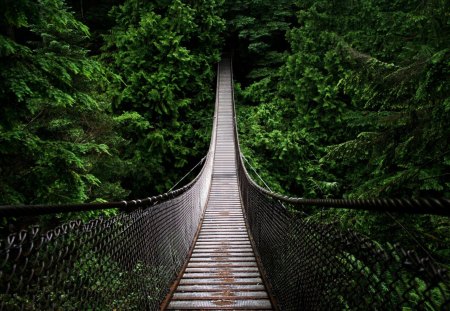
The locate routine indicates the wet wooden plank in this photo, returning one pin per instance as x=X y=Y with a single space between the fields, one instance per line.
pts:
x=218 y=264
x=222 y=259
x=216 y=281
x=215 y=288
x=230 y=294
x=221 y=274
x=223 y=254
x=220 y=249
x=250 y=304
x=214 y=270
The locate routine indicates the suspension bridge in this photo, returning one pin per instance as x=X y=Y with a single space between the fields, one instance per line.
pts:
x=221 y=242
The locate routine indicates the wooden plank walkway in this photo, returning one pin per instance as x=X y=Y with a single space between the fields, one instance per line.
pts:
x=222 y=273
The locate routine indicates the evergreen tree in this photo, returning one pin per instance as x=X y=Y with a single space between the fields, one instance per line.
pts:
x=360 y=108
x=54 y=128
x=256 y=33
x=165 y=53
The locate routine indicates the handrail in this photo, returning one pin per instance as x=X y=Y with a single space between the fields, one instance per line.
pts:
x=434 y=206
x=43 y=209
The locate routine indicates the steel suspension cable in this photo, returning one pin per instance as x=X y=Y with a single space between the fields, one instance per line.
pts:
x=187 y=174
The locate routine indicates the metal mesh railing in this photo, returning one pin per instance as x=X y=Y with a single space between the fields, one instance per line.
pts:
x=124 y=262
x=312 y=265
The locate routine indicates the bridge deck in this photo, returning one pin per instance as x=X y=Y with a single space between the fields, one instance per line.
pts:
x=222 y=272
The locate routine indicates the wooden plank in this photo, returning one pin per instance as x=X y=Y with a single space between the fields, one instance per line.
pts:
x=224 y=255
x=218 y=264
x=215 y=270
x=215 y=288
x=223 y=259
x=222 y=250
x=250 y=304
x=235 y=244
x=230 y=294
x=222 y=273
x=216 y=281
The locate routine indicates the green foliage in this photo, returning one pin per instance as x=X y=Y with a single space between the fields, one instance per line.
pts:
x=256 y=31
x=397 y=95
x=54 y=128
x=359 y=108
x=165 y=54
x=364 y=91
x=75 y=127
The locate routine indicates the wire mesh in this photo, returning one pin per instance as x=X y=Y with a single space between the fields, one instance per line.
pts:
x=312 y=265
x=124 y=262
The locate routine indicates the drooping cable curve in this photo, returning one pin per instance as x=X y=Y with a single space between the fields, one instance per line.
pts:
x=129 y=261
x=44 y=209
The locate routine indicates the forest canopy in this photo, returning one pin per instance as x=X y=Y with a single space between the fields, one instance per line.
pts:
x=103 y=100
x=358 y=103
x=109 y=100
x=349 y=99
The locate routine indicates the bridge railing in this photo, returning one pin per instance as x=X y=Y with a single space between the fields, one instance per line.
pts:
x=311 y=262
x=123 y=262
